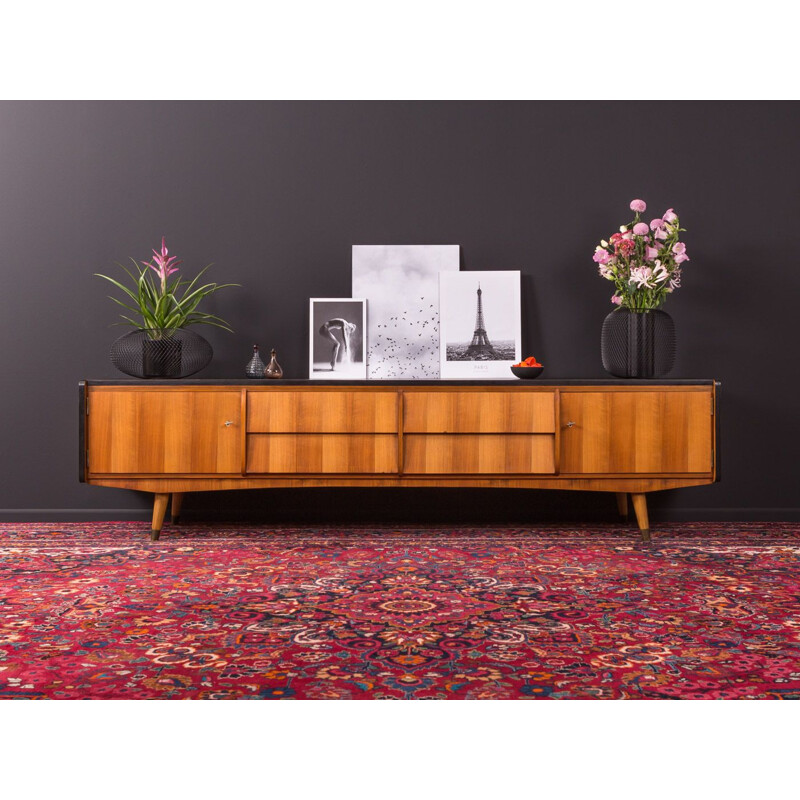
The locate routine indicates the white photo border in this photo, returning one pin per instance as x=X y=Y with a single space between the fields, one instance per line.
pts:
x=312 y=333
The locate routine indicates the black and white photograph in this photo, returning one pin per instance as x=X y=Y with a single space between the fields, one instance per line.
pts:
x=336 y=338
x=480 y=323
x=401 y=283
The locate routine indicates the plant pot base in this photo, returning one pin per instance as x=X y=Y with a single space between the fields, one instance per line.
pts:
x=161 y=354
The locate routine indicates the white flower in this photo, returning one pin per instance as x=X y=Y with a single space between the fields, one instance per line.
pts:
x=660 y=273
x=643 y=277
x=606 y=272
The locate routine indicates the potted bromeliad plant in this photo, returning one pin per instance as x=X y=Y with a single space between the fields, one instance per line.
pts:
x=644 y=262
x=163 y=307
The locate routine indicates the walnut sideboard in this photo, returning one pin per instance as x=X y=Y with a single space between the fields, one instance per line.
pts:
x=171 y=437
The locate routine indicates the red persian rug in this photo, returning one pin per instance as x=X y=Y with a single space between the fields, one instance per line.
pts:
x=99 y=611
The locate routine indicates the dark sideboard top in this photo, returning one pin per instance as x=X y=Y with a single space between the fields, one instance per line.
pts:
x=306 y=382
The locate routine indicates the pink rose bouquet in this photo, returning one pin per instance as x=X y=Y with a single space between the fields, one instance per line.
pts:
x=643 y=260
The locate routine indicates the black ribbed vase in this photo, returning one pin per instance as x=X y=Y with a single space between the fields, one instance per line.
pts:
x=161 y=354
x=638 y=344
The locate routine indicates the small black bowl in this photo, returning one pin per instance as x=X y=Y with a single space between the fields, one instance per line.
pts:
x=527 y=372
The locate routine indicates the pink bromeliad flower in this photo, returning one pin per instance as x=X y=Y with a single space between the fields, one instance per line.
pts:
x=164 y=266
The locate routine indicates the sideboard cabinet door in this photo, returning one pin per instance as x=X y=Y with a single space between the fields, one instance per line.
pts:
x=636 y=432
x=138 y=431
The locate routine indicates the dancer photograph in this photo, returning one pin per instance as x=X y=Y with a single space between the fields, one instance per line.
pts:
x=336 y=339
x=334 y=329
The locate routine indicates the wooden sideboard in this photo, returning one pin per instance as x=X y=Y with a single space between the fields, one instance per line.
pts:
x=172 y=437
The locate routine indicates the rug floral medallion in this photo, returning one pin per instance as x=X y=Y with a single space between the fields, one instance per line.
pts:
x=98 y=611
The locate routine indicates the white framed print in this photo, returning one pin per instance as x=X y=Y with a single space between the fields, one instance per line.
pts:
x=481 y=324
x=337 y=338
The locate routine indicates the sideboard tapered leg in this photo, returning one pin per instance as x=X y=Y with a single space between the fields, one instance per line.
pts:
x=177 y=502
x=159 y=509
x=640 y=507
x=622 y=504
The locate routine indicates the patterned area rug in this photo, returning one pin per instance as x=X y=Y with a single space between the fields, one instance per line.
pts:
x=98 y=611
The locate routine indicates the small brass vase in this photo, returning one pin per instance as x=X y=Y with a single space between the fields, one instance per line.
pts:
x=273 y=369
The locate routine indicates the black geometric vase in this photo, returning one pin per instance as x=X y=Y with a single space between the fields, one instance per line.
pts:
x=161 y=354
x=638 y=344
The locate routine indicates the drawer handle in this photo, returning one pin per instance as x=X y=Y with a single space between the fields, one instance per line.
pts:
x=228 y=423
x=570 y=424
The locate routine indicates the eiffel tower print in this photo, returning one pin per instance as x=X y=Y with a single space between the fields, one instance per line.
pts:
x=493 y=304
x=480 y=344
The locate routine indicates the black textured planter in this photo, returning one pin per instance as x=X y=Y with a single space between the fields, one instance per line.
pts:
x=161 y=354
x=161 y=358
x=638 y=344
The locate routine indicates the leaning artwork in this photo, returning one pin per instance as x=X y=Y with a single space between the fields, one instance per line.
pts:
x=481 y=324
x=336 y=341
x=401 y=284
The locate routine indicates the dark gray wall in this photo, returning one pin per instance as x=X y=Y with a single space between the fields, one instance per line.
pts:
x=276 y=193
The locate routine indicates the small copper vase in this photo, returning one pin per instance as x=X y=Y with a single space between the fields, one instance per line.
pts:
x=273 y=369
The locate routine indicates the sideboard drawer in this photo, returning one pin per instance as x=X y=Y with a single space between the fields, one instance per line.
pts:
x=481 y=454
x=321 y=411
x=322 y=453
x=525 y=411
